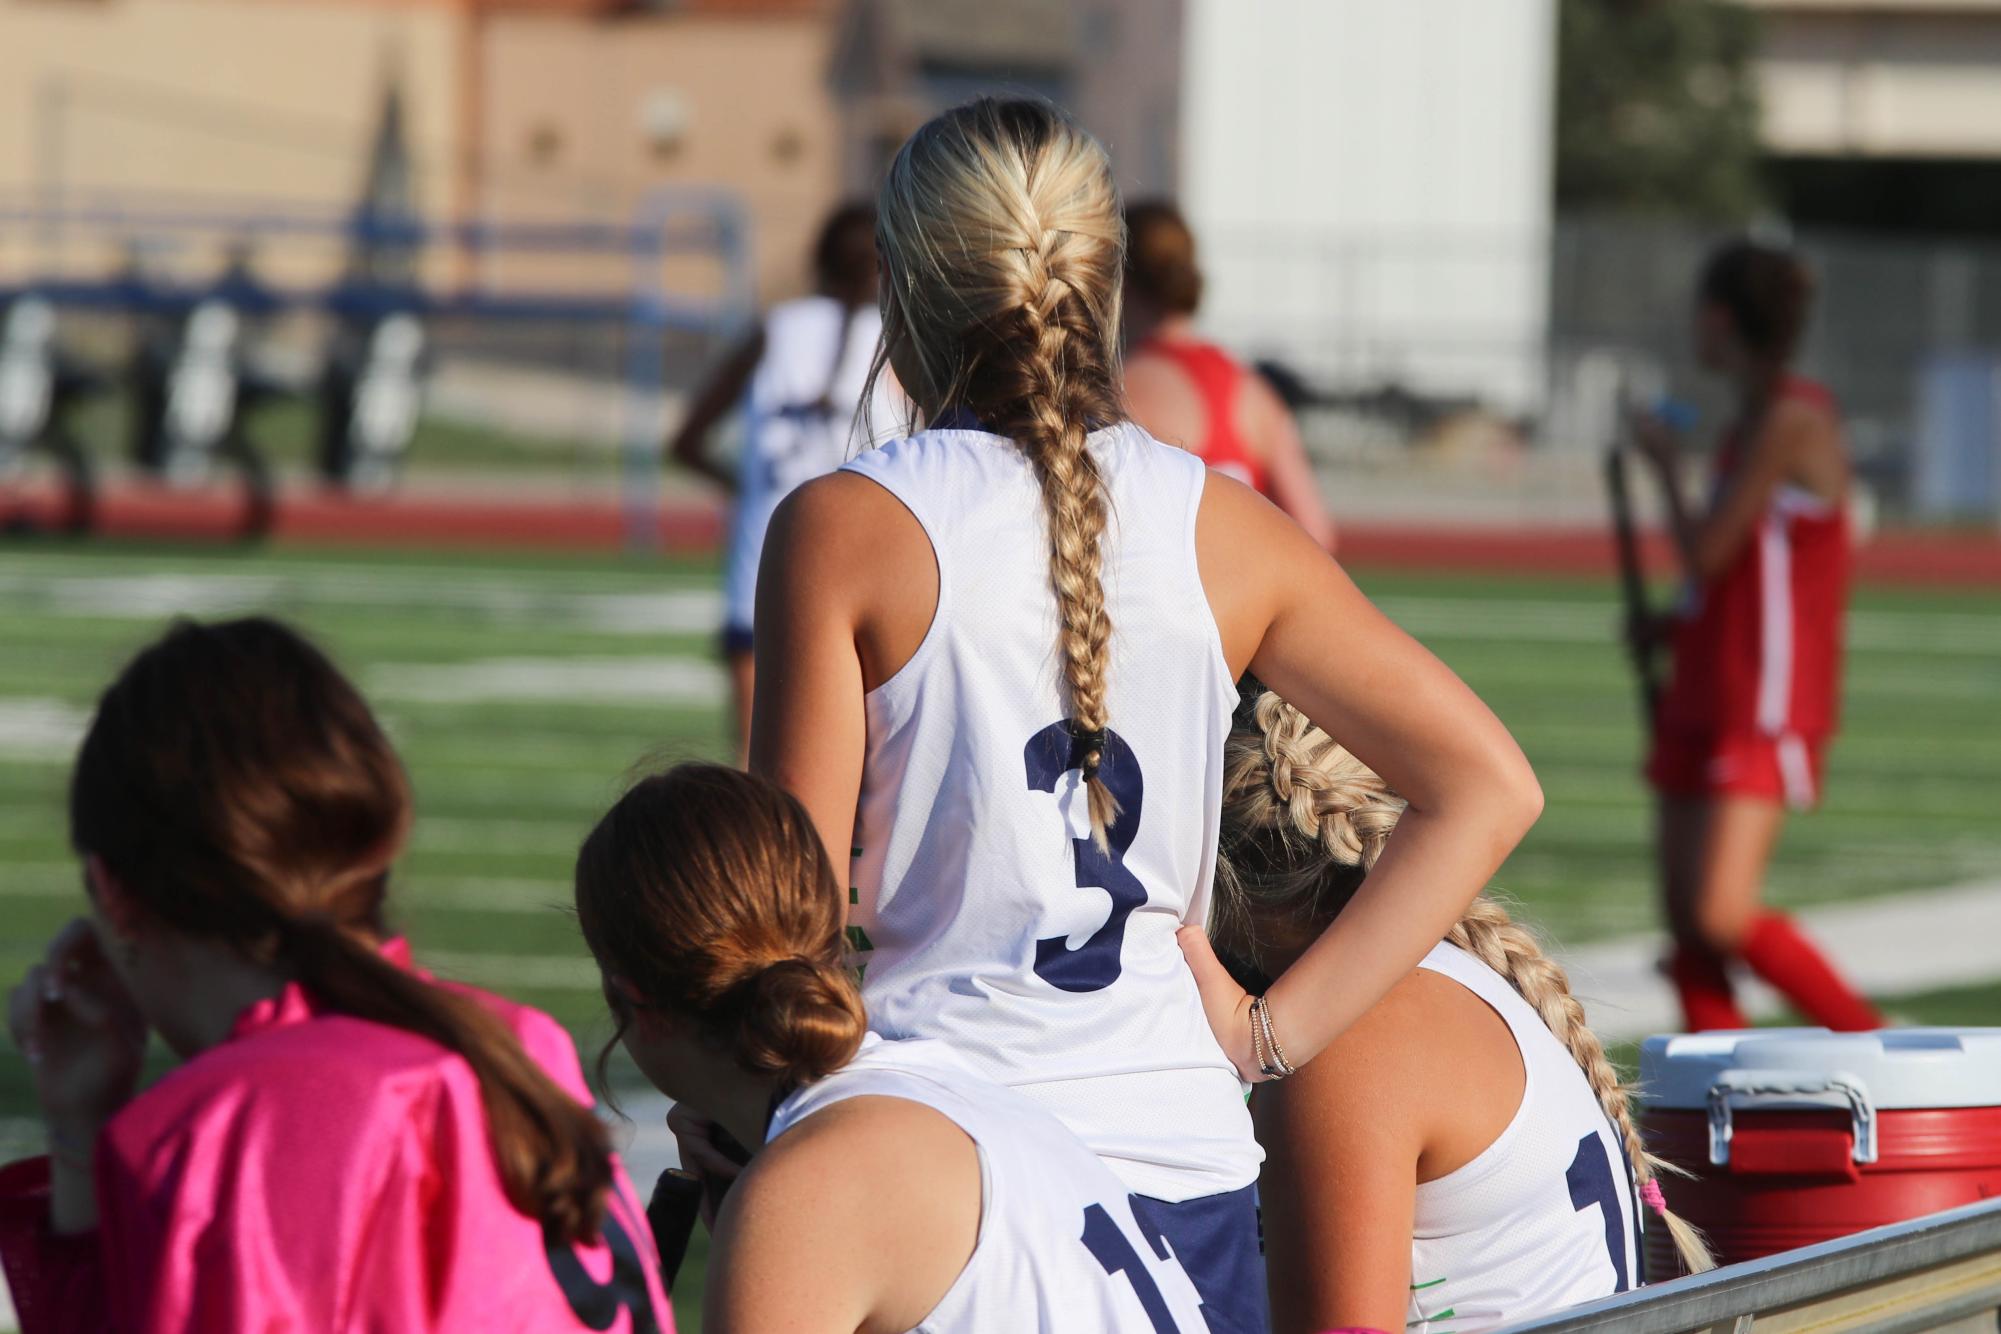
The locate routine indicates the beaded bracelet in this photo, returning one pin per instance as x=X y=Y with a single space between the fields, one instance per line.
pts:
x=1264 y=1042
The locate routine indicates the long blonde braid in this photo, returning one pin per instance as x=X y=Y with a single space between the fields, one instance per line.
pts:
x=1488 y=934
x=1304 y=820
x=1003 y=246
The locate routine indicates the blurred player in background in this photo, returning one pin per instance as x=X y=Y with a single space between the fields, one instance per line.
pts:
x=346 y=1143
x=1463 y=1156
x=893 y=1188
x=1741 y=733
x=997 y=661
x=799 y=378
x=1192 y=393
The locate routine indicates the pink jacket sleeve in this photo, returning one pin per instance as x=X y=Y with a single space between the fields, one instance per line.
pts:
x=57 y=1282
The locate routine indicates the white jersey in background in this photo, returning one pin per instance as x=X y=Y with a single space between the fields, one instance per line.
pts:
x=1546 y=1216
x=1059 y=1250
x=799 y=422
x=982 y=912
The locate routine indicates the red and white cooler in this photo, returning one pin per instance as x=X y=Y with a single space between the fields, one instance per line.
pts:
x=1799 y=1135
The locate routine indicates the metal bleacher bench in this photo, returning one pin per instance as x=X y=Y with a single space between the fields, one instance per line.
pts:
x=1940 y=1272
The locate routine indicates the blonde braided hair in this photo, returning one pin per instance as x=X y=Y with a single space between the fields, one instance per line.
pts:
x=1003 y=246
x=1304 y=820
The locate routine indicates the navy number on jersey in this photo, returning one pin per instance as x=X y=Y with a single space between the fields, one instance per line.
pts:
x=1591 y=1182
x=1109 y=1246
x=1094 y=965
x=597 y=1304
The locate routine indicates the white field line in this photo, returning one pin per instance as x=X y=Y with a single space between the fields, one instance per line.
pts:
x=570 y=601
x=1552 y=621
x=509 y=895
x=40 y=729
x=1920 y=941
x=147 y=597
x=570 y=680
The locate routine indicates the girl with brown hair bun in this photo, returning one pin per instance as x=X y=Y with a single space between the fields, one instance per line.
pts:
x=347 y=1143
x=1190 y=392
x=892 y=1187
x=1742 y=731
x=1463 y=1156
x=996 y=663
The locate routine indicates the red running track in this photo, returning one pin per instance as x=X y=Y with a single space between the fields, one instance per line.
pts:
x=519 y=518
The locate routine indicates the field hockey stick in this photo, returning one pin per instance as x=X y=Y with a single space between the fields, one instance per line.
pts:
x=672 y=1213
x=1632 y=580
x=678 y=1198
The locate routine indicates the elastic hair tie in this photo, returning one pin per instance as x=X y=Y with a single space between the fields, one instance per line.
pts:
x=1086 y=748
x=1650 y=1195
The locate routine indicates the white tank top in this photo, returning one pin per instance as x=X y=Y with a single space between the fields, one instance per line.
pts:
x=1059 y=1250
x=799 y=422
x=1546 y=1216
x=982 y=911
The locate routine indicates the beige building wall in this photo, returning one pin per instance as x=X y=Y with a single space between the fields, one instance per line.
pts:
x=601 y=111
x=1843 y=77
x=256 y=99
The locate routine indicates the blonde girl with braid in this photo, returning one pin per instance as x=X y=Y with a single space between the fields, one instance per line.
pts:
x=996 y=661
x=1463 y=1156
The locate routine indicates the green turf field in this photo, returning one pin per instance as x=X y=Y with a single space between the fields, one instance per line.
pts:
x=522 y=689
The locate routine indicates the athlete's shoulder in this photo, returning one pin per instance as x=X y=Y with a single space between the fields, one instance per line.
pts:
x=884 y=1192
x=830 y=511
x=1807 y=392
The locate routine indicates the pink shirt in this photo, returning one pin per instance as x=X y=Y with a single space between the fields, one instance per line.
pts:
x=318 y=1172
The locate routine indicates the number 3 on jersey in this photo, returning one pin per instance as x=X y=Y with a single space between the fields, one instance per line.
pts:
x=1094 y=965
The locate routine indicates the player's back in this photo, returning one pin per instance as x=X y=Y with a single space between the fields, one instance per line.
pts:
x=1546 y=1215
x=1059 y=1249
x=984 y=912
x=1759 y=649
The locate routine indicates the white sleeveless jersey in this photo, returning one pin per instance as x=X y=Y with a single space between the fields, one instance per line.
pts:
x=1059 y=1249
x=982 y=911
x=799 y=422
x=1546 y=1216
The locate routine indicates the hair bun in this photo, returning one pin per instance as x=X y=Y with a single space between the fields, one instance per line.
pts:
x=798 y=1019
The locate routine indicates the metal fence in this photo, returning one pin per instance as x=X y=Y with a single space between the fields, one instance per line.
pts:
x=1942 y=1272
x=1595 y=307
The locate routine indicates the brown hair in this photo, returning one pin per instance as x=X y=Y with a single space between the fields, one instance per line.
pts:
x=1304 y=820
x=1002 y=243
x=1160 y=257
x=707 y=890
x=844 y=258
x=1767 y=292
x=239 y=788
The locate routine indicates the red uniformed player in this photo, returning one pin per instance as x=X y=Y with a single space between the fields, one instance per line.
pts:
x=1740 y=733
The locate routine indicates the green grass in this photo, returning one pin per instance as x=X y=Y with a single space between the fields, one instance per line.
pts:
x=506 y=786
x=286 y=431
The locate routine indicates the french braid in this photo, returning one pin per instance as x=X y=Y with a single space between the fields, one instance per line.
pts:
x=1304 y=820
x=1003 y=244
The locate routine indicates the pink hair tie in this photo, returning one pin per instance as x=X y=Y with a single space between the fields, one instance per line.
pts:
x=1650 y=1195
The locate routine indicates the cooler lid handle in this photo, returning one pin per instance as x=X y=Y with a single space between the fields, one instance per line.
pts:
x=1739 y=1088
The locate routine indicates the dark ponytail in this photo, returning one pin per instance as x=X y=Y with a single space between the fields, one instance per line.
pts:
x=709 y=892
x=240 y=789
x=1160 y=257
x=1767 y=293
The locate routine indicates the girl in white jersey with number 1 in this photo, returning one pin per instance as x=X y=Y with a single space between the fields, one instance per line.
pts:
x=1462 y=1157
x=798 y=379
x=996 y=661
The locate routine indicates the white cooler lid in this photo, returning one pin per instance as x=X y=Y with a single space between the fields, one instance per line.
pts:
x=1901 y=1068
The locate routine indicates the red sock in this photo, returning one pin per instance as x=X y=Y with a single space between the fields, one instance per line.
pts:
x=1781 y=954
x=1707 y=1001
